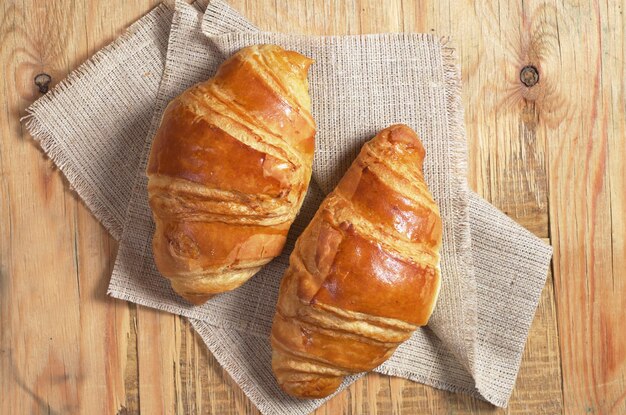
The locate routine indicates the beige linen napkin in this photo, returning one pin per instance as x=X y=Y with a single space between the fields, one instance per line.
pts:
x=360 y=84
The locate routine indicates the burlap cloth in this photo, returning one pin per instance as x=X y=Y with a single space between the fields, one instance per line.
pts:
x=98 y=124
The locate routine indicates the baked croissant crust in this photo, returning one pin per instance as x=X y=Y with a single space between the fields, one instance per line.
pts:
x=228 y=171
x=364 y=274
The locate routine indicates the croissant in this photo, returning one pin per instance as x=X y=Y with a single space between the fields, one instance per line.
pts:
x=228 y=171
x=364 y=274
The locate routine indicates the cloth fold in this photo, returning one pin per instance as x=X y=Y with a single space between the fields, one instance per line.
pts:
x=493 y=270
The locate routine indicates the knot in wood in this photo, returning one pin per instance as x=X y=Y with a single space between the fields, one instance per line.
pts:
x=42 y=81
x=529 y=75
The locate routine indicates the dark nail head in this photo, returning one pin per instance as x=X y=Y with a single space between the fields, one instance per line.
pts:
x=42 y=81
x=529 y=75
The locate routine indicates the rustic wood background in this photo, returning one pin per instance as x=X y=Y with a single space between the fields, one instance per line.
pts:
x=552 y=156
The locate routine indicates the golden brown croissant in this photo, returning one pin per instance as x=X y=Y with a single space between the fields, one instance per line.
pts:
x=228 y=171
x=364 y=274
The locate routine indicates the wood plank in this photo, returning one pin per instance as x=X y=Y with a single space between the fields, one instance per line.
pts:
x=64 y=343
x=587 y=191
x=44 y=365
x=159 y=373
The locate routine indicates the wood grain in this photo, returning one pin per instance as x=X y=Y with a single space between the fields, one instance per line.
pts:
x=587 y=191
x=551 y=156
x=64 y=343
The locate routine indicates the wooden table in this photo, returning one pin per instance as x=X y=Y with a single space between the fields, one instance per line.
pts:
x=552 y=156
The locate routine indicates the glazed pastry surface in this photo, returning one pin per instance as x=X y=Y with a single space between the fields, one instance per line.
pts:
x=228 y=171
x=365 y=272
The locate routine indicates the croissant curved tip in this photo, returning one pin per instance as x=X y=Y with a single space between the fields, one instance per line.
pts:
x=196 y=299
x=401 y=133
x=299 y=60
x=404 y=135
x=317 y=388
x=294 y=58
